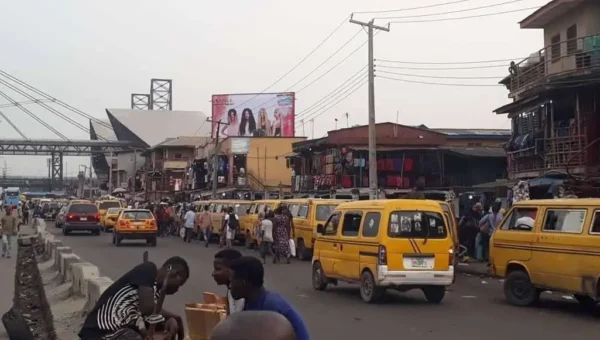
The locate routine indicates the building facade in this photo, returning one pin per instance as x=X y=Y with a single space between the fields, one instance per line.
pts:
x=555 y=93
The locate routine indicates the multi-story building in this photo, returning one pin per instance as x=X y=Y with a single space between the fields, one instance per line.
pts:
x=556 y=94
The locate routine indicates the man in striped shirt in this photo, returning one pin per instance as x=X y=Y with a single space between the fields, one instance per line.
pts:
x=130 y=303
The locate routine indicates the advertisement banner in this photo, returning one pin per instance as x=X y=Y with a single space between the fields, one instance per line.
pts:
x=254 y=115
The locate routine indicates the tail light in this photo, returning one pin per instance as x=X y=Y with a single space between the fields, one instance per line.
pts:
x=451 y=257
x=70 y=218
x=152 y=223
x=382 y=256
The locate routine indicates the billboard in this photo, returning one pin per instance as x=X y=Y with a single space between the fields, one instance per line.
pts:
x=254 y=114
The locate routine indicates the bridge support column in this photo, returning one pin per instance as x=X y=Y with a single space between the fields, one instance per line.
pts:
x=56 y=164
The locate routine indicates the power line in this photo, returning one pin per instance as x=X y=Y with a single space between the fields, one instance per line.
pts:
x=298 y=64
x=347 y=83
x=318 y=67
x=442 y=68
x=453 y=12
x=413 y=8
x=440 y=84
x=466 y=17
x=343 y=98
x=448 y=62
x=201 y=125
x=342 y=94
x=440 y=77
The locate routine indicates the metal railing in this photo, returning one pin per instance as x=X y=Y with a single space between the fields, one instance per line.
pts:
x=563 y=58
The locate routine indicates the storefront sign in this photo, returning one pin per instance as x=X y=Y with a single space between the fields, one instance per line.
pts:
x=240 y=146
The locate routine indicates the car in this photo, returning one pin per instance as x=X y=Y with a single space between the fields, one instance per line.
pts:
x=82 y=217
x=60 y=218
x=110 y=218
x=135 y=224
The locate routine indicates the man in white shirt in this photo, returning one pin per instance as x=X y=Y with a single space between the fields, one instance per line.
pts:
x=189 y=218
x=222 y=275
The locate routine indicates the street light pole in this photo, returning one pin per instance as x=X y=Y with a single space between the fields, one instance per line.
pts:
x=215 y=178
x=372 y=132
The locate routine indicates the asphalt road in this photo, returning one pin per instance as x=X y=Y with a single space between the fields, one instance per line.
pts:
x=473 y=308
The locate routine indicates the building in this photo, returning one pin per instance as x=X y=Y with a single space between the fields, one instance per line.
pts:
x=145 y=128
x=442 y=158
x=253 y=164
x=168 y=164
x=555 y=93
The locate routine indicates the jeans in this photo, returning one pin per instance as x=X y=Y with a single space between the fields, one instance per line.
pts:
x=482 y=246
x=207 y=234
x=7 y=246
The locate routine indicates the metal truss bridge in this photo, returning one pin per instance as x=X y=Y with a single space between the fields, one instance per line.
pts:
x=58 y=148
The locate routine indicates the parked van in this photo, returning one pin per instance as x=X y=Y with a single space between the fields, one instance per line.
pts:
x=549 y=245
x=218 y=209
x=248 y=224
x=386 y=244
x=307 y=213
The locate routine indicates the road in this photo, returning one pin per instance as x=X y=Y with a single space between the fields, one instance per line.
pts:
x=473 y=308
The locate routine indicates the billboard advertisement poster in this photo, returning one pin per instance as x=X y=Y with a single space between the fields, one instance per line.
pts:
x=254 y=115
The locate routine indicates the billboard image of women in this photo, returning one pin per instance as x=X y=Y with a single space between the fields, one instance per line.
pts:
x=254 y=115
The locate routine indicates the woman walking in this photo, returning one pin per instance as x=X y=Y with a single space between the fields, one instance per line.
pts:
x=282 y=226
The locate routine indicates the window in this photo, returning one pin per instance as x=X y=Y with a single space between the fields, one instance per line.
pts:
x=324 y=211
x=294 y=209
x=572 y=39
x=253 y=209
x=106 y=205
x=137 y=215
x=260 y=208
x=565 y=220
x=241 y=209
x=83 y=209
x=417 y=224
x=595 y=228
x=211 y=208
x=371 y=225
x=351 y=224
x=332 y=223
x=219 y=208
x=474 y=144
x=178 y=156
x=303 y=211
x=555 y=48
x=520 y=219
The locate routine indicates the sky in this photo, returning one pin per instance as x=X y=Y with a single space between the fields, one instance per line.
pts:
x=94 y=54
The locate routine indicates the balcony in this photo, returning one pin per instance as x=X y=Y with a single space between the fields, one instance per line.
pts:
x=569 y=58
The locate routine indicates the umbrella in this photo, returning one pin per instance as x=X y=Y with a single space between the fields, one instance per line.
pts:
x=119 y=191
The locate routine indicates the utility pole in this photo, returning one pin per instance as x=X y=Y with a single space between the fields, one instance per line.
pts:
x=347 y=120
x=302 y=122
x=372 y=132
x=336 y=123
x=215 y=179
x=312 y=125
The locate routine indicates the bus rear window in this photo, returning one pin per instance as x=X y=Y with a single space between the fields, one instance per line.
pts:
x=417 y=224
x=137 y=215
x=106 y=205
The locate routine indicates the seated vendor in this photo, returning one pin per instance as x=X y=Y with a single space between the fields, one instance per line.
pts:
x=131 y=300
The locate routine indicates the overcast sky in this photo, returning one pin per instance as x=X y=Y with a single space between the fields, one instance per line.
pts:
x=94 y=54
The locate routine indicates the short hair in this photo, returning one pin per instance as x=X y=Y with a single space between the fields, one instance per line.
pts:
x=179 y=263
x=249 y=269
x=228 y=255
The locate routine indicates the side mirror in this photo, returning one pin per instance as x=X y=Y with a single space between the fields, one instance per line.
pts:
x=320 y=229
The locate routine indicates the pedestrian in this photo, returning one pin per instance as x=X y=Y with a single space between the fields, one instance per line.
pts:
x=189 y=219
x=487 y=225
x=266 y=234
x=205 y=225
x=232 y=226
x=161 y=220
x=10 y=225
x=281 y=236
x=26 y=214
x=247 y=283
x=254 y=325
x=133 y=297
x=222 y=276
x=468 y=227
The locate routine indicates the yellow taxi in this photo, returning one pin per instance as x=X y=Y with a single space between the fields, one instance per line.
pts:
x=307 y=213
x=104 y=205
x=110 y=218
x=549 y=245
x=135 y=224
x=413 y=250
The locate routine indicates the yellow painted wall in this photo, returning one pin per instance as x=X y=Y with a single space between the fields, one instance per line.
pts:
x=266 y=159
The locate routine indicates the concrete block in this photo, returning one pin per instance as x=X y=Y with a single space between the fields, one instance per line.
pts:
x=96 y=287
x=81 y=273
x=52 y=247
x=65 y=265
x=57 y=255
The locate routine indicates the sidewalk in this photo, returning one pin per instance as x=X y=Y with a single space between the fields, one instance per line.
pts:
x=474 y=268
x=7 y=285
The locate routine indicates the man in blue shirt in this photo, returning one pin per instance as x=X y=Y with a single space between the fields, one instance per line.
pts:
x=247 y=283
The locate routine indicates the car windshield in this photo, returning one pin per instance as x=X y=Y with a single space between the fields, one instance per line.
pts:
x=113 y=211
x=137 y=215
x=107 y=205
x=12 y=194
x=323 y=211
x=83 y=209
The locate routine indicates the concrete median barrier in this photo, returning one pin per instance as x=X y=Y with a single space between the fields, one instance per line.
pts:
x=66 y=262
x=60 y=251
x=81 y=273
x=53 y=244
x=96 y=286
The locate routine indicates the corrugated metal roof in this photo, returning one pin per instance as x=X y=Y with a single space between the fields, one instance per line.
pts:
x=481 y=132
x=103 y=131
x=153 y=127
x=183 y=141
x=479 y=151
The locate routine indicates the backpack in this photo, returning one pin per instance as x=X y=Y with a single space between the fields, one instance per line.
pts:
x=234 y=224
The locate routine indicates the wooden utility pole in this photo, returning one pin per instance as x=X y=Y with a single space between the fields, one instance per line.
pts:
x=215 y=178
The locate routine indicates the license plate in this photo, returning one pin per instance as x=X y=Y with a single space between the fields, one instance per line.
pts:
x=83 y=219
x=419 y=262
